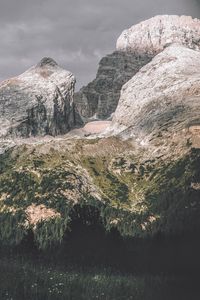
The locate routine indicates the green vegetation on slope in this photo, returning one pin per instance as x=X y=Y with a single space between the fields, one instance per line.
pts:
x=137 y=197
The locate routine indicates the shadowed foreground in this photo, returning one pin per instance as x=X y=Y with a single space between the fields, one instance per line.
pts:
x=93 y=264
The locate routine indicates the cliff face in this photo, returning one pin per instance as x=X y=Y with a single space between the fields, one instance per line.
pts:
x=100 y=97
x=153 y=35
x=135 y=48
x=38 y=102
x=144 y=181
x=163 y=98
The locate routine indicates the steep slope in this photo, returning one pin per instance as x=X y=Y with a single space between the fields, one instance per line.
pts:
x=135 y=48
x=143 y=182
x=110 y=182
x=100 y=97
x=38 y=102
x=163 y=98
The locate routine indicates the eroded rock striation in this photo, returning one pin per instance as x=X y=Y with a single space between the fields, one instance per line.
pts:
x=38 y=102
x=135 y=48
x=163 y=97
x=153 y=35
x=100 y=97
x=142 y=182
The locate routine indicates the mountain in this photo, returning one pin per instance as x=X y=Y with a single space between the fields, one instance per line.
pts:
x=163 y=98
x=153 y=35
x=100 y=97
x=135 y=48
x=140 y=178
x=38 y=102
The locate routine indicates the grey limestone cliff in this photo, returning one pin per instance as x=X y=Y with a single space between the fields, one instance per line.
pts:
x=38 y=102
x=136 y=46
x=153 y=35
x=163 y=99
x=100 y=97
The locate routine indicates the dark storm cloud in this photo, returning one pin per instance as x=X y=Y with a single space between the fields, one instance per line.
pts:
x=76 y=33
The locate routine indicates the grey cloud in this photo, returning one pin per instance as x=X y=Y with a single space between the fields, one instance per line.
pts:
x=76 y=33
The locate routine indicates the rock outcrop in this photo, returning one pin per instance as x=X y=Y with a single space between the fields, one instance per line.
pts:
x=100 y=97
x=163 y=97
x=135 y=48
x=38 y=102
x=153 y=35
x=142 y=182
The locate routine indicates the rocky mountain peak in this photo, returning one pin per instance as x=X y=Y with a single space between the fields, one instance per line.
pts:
x=100 y=97
x=142 y=182
x=47 y=61
x=135 y=48
x=38 y=102
x=153 y=35
x=162 y=98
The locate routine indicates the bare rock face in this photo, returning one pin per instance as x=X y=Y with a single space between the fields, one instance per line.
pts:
x=100 y=97
x=163 y=98
x=135 y=48
x=38 y=102
x=153 y=35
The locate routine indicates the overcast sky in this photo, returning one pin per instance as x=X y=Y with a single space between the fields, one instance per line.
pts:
x=76 y=33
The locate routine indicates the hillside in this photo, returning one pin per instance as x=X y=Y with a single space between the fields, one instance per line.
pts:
x=42 y=186
x=140 y=176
